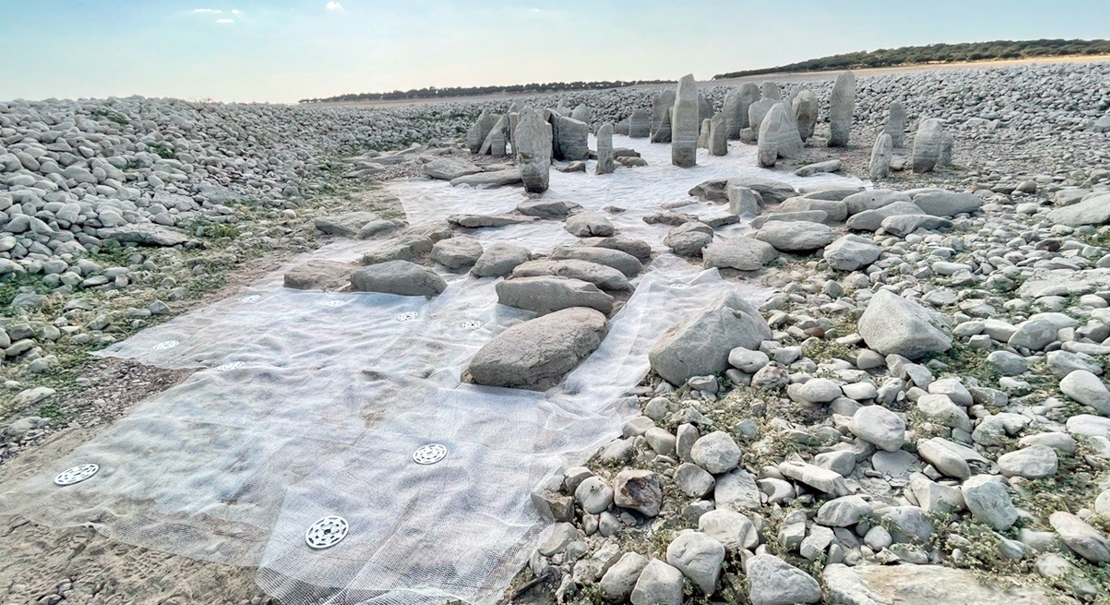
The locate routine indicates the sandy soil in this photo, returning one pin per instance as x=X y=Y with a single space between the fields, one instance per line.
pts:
x=808 y=76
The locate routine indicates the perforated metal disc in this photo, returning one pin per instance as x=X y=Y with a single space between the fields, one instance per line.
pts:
x=680 y=286
x=76 y=474
x=250 y=299
x=326 y=532
x=429 y=454
x=471 y=324
x=335 y=303
x=164 y=346
x=411 y=315
x=227 y=367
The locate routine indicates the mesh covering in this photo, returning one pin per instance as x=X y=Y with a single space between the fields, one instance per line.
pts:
x=307 y=404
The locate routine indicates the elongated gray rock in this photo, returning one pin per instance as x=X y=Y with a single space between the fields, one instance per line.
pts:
x=533 y=140
x=538 y=353
x=605 y=162
x=796 y=236
x=740 y=253
x=805 y=110
x=544 y=295
x=479 y=131
x=661 y=107
x=606 y=278
x=699 y=344
x=571 y=139
x=757 y=111
x=718 y=135
x=896 y=125
x=881 y=155
x=842 y=106
x=773 y=581
x=928 y=144
x=1093 y=210
x=499 y=260
x=639 y=124
x=497 y=139
x=398 y=277
x=450 y=168
x=736 y=114
x=698 y=557
x=685 y=124
x=589 y=224
x=778 y=137
x=893 y=325
x=326 y=275
x=851 y=253
x=622 y=261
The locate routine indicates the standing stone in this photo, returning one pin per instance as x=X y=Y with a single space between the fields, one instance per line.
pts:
x=881 y=154
x=582 y=113
x=842 y=104
x=479 y=131
x=777 y=136
x=533 y=137
x=928 y=143
x=757 y=111
x=735 y=121
x=496 y=139
x=703 y=134
x=639 y=124
x=705 y=109
x=896 y=125
x=805 y=113
x=718 y=135
x=571 y=139
x=771 y=91
x=661 y=107
x=605 y=162
x=684 y=124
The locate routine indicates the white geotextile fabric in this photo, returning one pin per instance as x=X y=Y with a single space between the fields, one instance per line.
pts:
x=308 y=404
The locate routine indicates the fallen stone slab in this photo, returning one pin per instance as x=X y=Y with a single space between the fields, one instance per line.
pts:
x=819 y=168
x=325 y=275
x=495 y=178
x=145 y=234
x=543 y=295
x=346 y=225
x=398 y=277
x=447 y=169
x=479 y=221
x=606 y=278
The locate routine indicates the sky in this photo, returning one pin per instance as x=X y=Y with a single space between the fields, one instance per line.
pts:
x=285 y=50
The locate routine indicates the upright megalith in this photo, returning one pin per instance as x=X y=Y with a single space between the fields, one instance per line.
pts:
x=929 y=144
x=478 y=132
x=805 y=113
x=533 y=140
x=685 y=124
x=842 y=105
x=778 y=136
x=896 y=125
x=881 y=154
x=661 y=107
x=639 y=124
x=736 y=105
x=705 y=109
x=605 y=162
x=771 y=91
x=757 y=111
x=497 y=138
x=571 y=140
x=703 y=134
x=718 y=135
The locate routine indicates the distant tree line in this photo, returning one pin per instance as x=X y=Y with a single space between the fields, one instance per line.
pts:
x=938 y=53
x=466 y=91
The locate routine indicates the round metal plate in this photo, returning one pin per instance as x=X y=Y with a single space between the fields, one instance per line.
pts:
x=335 y=303
x=227 y=367
x=471 y=324
x=680 y=286
x=326 y=532
x=429 y=454
x=76 y=474
x=250 y=299
x=411 y=315
x=164 y=346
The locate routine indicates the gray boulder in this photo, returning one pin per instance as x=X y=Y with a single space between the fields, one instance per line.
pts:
x=624 y=262
x=605 y=162
x=479 y=131
x=1081 y=537
x=778 y=136
x=499 y=260
x=450 y=168
x=325 y=275
x=872 y=220
x=740 y=253
x=606 y=278
x=658 y=584
x=346 y=225
x=893 y=325
x=589 y=224
x=1093 y=210
x=851 y=253
x=879 y=426
x=538 y=353
x=570 y=139
x=638 y=490
x=639 y=124
x=688 y=239
x=1088 y=389
x=544 y=295
x=699 y=558
x=842 y=106
x=144 y=234
x=835 y=210
x=871 y=199
x=896 y=125
x=796 y=236
x=742 y=201
x=757 y=112
x=989 y=502
x=946 y=203
x=905 y=224
x=805 y=111
x=456 y=252
x=773 y=581
x=620 y=579
x=685 y=124
x=533 y=150
x=928 y=145
x=881 y=154
x=493 y=178
x=699 y=345
x=398 y=277
x=716 y=190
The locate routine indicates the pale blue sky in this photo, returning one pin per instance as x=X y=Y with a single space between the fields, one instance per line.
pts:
x=285 y=50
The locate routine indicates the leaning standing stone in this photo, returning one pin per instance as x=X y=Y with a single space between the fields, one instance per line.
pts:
x=479 y=131
x=571 y=139
x=605 y=162
x=842 y=105
x=928 y=145
x=896 y=125
x=718 y=135
x=805 y=113
x=533 y=137
x=684 y=124
x=661 y=107
x=881 y=154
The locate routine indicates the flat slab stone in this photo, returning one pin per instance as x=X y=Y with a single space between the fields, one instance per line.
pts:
x=147 y=234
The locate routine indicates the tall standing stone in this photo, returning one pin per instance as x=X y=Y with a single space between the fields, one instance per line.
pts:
x=703 y=134
x=496 y=139
x=842 y=105
x=533 y=137
x=718 y=135
x=571 y=139
x=928 y=144
x=881 y=155
x=705 y=110
x=685 y=124
x=771 y=91
x=896 y=125
x=661 y=107
x=639 y=124
x=778 y=136
x=734 y=120
x=805 y=113
x=757 y=111
x=749 y=93
x=478 y=132
x=605 y=162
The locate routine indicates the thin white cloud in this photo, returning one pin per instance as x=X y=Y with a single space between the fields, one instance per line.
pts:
x=225 y=21
x=334 y=6
x=207 y=11
x=236 y=11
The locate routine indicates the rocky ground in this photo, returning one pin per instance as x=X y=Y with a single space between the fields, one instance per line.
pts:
x=924 y=410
